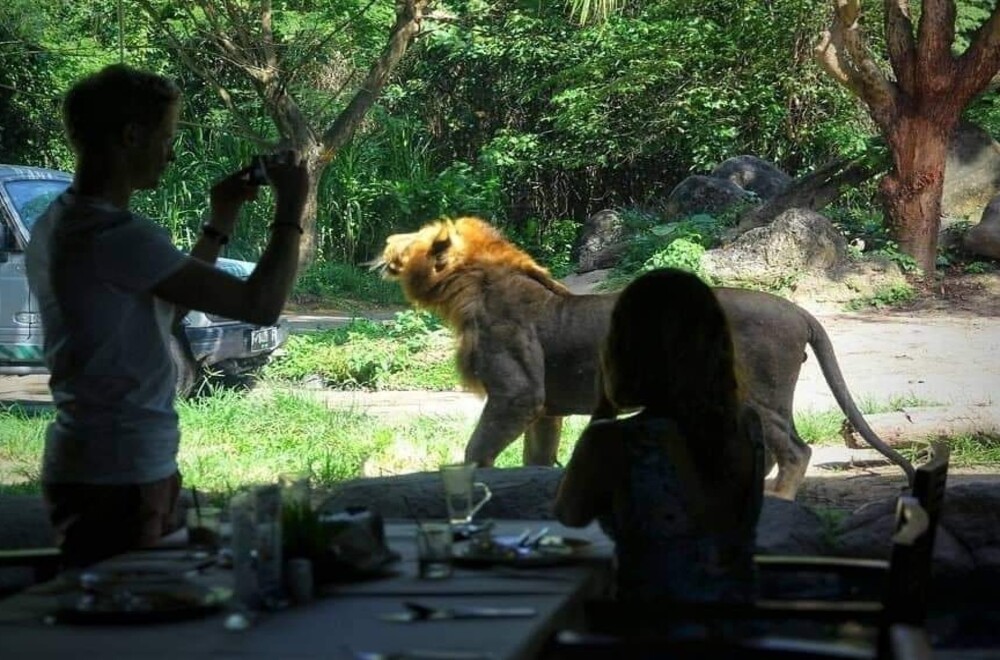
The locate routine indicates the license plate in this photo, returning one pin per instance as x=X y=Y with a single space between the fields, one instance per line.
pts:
x=263 y=339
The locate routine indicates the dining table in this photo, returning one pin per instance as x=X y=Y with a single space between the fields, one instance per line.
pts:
x=359 y=620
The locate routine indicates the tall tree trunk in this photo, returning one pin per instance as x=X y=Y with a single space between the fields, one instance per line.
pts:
x=309 y=247
x=912 y=191
x=915 y=109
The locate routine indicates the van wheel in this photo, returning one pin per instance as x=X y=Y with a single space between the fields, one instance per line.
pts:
x=187 y=368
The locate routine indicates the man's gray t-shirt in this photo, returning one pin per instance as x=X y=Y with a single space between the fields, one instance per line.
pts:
x=92 y=267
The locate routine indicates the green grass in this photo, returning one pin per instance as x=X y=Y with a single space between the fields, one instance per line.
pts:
x=871 y=404
x=967 y=450
x=411 y=352
x=819 y=426
x=231 y=439
x=823 y=426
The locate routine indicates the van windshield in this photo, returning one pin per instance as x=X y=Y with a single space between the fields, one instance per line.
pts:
x=32 y=196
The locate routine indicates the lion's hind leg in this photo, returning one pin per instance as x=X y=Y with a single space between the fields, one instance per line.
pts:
x=541 y=441
x=502 y=421
x=790 y=452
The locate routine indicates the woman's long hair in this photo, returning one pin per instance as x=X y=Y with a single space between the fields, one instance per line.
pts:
x=669 y=351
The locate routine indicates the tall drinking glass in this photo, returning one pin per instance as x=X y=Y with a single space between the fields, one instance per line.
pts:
x=459 y=491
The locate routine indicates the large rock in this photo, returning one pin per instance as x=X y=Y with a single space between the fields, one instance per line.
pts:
x=702 y=194
x=25 y=525
x=524 y=492
x=754 y=175
x=967 y=545
x=601 y=242
x=528 y=492
x=789 y=528
x=984 y=238
x=972 y=172
x=798 y=241
x=972 y=516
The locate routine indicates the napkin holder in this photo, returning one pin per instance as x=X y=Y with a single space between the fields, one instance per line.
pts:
x=355 y=546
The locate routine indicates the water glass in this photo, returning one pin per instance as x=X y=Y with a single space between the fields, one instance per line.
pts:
x=434 y=550
x=204 y=525
x=459 y=489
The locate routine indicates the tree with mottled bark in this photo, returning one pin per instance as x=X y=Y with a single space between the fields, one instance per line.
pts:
x=917 y=106
x=237 y=42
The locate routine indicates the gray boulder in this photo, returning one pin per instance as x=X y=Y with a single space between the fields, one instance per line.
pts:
x=984 y=238
x=967 y=545
x=601 y=242
x=754 y=174
x=523 y=492
x=789 y=528
x=972 y=517
x=703 y=194
x=799 y=240
x=972 y=172
x=528 y=492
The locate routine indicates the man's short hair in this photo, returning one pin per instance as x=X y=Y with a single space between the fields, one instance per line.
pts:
x=97 y=108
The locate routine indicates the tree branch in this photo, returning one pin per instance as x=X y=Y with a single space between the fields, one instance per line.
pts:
x=319 y=45
x=829 y=58
x=935 y=34
x=843 y=53
x=238 y=22
x=178 y=47
x=409 y=14
x=267 y=30
x=216 y=34
x=979 y=63
x=902 y=48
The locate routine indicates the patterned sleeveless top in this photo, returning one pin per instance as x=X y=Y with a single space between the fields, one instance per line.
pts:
x=659 y=550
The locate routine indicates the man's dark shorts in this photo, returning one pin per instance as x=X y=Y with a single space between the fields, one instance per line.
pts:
x=94 y=522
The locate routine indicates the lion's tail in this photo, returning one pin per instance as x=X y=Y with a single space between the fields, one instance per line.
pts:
x=823 y=349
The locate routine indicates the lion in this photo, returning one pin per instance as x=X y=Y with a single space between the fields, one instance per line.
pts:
x=530 y=346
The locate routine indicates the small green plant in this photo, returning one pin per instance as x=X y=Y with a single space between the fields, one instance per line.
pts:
x=675 y=245
x=302 y=533
x=830 y=521
x=978 y=268
x=886 y=296
x=891 y=251
x=682 y=253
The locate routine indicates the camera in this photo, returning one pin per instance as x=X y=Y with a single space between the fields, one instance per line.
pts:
x=257 y=174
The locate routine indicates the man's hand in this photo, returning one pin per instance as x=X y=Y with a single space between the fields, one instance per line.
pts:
x=288 y=176
x=227 y=198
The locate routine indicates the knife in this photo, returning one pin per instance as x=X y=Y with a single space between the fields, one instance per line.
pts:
x=417 y=612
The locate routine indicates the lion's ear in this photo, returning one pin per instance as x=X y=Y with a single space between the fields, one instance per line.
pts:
x=442 y=243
